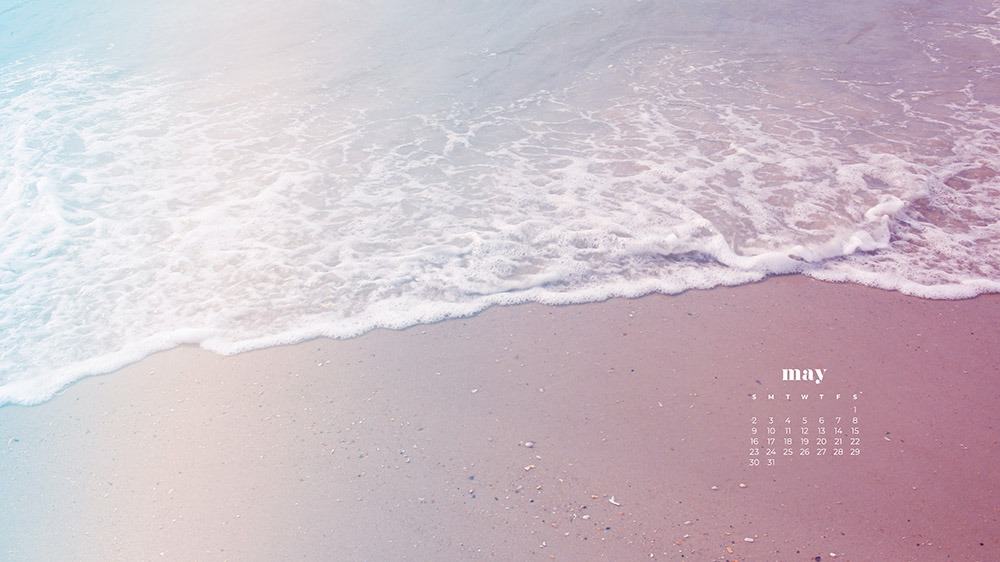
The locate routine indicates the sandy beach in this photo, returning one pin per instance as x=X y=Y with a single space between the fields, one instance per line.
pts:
x=605 y=431
x=449 y=281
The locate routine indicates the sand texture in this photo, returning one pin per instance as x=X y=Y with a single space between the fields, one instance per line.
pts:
x=586 y=432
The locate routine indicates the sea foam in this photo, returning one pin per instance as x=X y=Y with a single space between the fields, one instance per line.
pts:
x=242 y=193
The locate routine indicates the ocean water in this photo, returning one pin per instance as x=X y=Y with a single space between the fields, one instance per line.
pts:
x=255 y=173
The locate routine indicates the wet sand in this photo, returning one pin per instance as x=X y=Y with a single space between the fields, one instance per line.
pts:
x=605 y=431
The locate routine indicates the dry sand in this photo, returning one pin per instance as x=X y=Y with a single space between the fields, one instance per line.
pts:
x=505 y=437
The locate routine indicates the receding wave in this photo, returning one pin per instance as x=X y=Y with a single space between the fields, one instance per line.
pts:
x=143 y=207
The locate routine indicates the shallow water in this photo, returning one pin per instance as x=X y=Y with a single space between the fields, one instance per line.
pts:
x=255 y=173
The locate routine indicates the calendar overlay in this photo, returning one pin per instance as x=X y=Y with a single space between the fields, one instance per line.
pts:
x=800 y=420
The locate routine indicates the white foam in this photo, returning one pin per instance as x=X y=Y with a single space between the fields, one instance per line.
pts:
x=260 y=205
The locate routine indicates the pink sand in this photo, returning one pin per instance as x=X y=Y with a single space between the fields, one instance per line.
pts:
x=413 y=444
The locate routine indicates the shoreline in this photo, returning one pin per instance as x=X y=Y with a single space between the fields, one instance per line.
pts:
x=411 y=444
x=198 y=338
